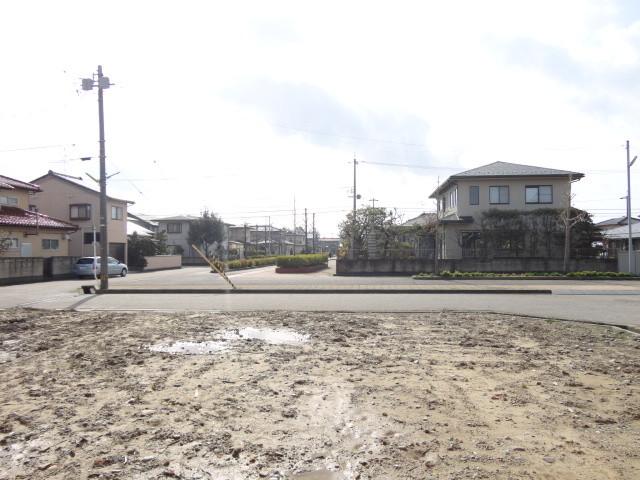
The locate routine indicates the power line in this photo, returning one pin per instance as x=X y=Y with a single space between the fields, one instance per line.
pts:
x=411 y=165
x=39 y=147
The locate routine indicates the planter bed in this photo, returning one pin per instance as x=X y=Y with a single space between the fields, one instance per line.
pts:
x=305 y=269
x=523 y=277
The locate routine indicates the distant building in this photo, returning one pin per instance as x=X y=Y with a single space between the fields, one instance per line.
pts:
x=25 y=232
x=177 y=229
x=267 y=240
x=329 y=245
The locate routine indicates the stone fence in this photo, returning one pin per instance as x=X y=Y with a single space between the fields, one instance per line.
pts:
x=389 y=266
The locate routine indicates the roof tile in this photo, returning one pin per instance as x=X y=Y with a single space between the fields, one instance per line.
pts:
x=18 y=217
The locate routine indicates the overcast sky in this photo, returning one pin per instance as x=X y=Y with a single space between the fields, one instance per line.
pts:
x=239 y=106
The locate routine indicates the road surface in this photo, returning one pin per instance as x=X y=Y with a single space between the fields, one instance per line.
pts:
x=615 y=302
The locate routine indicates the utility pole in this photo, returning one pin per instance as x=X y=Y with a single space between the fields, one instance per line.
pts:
x=313 y=231
x=269 y=235
x=629 y=164
x=306 y=235
x=294 y=224
x=373 y=202
x=353 y=221
x=244 y=253
x=102 y=83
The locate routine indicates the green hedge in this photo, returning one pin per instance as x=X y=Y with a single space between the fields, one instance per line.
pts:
x=582 y=274
x=292 y=261
x=251 y=262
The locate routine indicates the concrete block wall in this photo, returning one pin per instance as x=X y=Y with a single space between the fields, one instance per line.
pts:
x=163 y=262
x=32 y=269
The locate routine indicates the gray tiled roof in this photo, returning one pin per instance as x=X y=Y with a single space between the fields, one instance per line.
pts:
x=617 y=221
x=424 y=218
x=176 y=218
x=623 y=232
x=500 y=169
x=506 y=169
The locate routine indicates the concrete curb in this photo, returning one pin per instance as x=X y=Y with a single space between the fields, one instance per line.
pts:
x=307 y=291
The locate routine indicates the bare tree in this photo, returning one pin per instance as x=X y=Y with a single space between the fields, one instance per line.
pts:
x=570 y=217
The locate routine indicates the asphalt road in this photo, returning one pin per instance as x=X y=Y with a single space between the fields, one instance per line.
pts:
x=615 y=302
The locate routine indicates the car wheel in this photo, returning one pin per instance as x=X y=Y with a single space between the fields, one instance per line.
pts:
x=123 y=273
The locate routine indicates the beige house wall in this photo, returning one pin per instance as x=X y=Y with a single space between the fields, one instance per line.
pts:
x=22 y=196
x=36 y=242
x=57 y=197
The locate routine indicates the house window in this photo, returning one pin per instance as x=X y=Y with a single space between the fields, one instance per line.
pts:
x=33 y=208
x=10 y=243
x=499 y=194
x=88 y=238
x=453 y=198
x=50 y=244
x=539 y=194
x=174 y=228
x=116 y=213
x=80 y=211
x=8 y=200
x=474 y=195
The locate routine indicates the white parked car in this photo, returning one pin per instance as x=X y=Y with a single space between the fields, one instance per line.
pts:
x=88 y=266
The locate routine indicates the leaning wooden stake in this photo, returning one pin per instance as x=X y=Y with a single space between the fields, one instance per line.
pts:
x=214 y=266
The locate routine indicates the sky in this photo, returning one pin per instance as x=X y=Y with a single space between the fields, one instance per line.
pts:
x=240 y=107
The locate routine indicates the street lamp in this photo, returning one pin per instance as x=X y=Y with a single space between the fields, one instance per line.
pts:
x=101 y=82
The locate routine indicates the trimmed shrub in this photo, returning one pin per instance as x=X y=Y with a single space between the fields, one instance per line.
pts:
x=293 y=261
x=251 y=262
x=583 y=274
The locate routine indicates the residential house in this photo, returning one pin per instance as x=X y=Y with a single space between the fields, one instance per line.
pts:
x=617 y=239
x=419 y=234
x=177 y=230
x=611 y=223
x=464 y=199
x=75 y=200
x=25 y=232
x=141 y=224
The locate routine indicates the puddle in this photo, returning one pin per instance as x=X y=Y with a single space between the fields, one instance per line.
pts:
x=190 y=348
x=272 y=336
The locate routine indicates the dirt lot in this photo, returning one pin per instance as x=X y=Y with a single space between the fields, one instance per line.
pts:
x=326 y=396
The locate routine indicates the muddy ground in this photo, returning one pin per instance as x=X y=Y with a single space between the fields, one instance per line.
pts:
x=385 y=396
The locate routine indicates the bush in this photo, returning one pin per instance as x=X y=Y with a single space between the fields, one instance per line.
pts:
x=251 y=262
x=293 y=261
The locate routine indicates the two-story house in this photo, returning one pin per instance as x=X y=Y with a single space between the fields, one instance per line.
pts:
x=73 y=199
x=464 y=197
x=25 y=232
